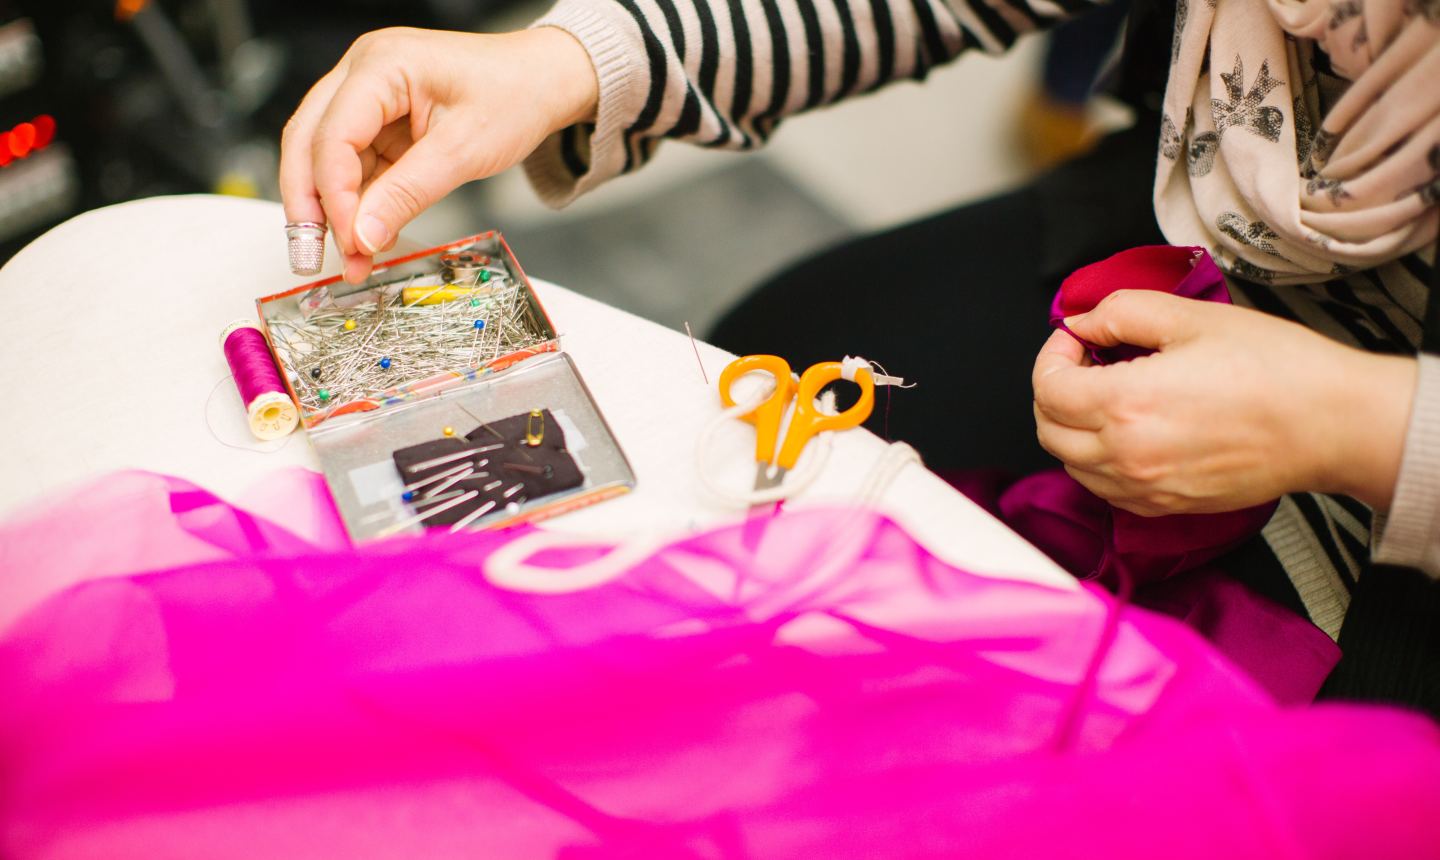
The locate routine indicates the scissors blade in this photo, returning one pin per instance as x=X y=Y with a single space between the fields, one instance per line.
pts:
x=764 y=480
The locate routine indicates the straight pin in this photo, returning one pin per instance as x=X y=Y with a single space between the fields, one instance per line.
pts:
x=422 y=517
x=450 y=458
x=410 y=488
x=473 y=516
x=450 y=482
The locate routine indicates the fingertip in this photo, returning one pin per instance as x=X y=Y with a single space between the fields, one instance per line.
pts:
x=372 y=235
x=358 y=268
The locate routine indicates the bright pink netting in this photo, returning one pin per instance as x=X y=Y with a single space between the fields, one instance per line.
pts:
x=832 y=691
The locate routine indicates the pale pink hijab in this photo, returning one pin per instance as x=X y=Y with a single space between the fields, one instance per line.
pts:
x=1284 y=180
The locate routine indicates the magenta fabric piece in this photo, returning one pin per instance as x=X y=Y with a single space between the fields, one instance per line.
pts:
x=1125 y=551
x=1186 y=271
x=836 y=692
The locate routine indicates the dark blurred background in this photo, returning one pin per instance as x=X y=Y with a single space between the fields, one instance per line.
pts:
x=103 y=101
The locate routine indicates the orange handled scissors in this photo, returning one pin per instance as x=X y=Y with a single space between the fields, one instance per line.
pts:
x=807 y=420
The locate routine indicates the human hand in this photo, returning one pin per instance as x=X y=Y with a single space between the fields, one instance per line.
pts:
x=409 y=115
x=1234 y=409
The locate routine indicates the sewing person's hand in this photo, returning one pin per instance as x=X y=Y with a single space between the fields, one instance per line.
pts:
x=1235 y=408
x=407 y=116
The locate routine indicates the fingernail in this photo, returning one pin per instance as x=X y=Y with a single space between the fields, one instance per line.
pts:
x=372 y=234
x=1070 y=321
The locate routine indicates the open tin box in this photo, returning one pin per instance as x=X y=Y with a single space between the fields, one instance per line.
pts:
x=356 y=433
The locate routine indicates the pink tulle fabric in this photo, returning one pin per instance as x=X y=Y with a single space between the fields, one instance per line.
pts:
x=832 y=690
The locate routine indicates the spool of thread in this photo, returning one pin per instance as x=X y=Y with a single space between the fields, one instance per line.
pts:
x=271 y=412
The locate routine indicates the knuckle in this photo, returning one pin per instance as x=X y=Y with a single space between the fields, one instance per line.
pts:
x=367 y=40
x=1116 y=301
x=405 y=197
x=289 y=131
x=1041 y=389
x=385 y=37
x=1162 y=503
x=1130 y=406
x=1044 y=437
x=1138 y=469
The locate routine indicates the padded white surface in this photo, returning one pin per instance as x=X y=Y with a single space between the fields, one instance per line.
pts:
x=108 y=336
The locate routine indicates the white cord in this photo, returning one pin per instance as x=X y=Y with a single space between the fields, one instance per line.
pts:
x=509 y=566
x=895 y=458
x=809 y=467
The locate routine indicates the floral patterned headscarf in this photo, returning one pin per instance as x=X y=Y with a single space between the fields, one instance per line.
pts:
x=1282 y=179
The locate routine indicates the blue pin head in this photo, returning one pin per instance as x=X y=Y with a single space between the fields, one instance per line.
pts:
x=408 y=495
x=385 y=363
x=479 y=325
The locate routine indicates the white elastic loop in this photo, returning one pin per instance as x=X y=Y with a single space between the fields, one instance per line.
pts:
x=811 y=463
x=887 y=468
x=509 y=566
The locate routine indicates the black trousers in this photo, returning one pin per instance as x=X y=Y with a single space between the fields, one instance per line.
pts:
x=959 y=303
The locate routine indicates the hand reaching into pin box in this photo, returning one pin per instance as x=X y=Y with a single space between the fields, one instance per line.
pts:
x=381 y=373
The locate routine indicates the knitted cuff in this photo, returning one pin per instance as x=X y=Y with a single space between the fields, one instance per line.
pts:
x=580 y=158
x=1409 y=535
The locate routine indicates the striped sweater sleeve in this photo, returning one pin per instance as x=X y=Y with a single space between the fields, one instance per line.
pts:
x=723 y=73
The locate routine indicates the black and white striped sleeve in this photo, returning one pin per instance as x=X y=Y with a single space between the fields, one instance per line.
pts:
x=723 y=73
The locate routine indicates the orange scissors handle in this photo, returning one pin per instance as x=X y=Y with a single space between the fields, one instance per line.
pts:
x=768 y=415
x=809 y=421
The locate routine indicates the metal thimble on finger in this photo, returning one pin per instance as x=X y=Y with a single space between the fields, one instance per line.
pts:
x=305 y=241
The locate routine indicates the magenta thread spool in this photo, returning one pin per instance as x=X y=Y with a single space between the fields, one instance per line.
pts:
x=271 y=412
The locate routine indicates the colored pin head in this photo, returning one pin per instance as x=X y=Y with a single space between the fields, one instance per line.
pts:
x=484 y=275
x=408 y=495
x=479 y=325
x=323 y=394
x=448 y=431
x=385 y=363
x=314 y=373
x=349 y=325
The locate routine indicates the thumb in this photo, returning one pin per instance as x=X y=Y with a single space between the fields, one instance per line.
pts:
x=1143 y=318
x=425 y=173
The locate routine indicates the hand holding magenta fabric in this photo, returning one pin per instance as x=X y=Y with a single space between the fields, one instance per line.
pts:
x=1221 y=407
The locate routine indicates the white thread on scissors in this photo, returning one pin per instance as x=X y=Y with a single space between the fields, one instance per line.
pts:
x=852 y=363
